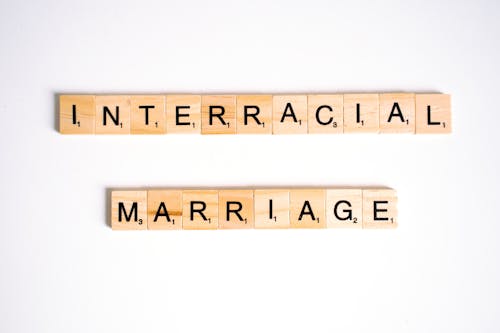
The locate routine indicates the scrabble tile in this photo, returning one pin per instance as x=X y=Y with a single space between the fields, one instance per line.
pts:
x=272 y=209
x=254 y=114
x=236 y=209
x=77 y=114
x=218 y=114
x=325 y=114
x=200 y=209
x=290 y=114
x=183 y=113
x=307 y=208
x=164 y=209
x=129 y=210
x=380 y=208
x=344 y=208
x=112 y=115
x=361 y=113
x=433 y=113
x=397 y=113
x=147 y=114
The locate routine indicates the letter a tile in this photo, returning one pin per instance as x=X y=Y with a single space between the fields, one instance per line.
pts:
x=307 y=208
x=164 y=209
x=290 y=114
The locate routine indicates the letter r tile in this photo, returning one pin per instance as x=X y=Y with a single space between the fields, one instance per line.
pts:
x=200 y=209
x=236 y=209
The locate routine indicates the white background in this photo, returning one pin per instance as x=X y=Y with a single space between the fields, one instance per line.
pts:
x=62 y=269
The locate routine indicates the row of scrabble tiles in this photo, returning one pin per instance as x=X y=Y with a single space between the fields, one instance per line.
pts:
x=253 y=208
x=255 y=114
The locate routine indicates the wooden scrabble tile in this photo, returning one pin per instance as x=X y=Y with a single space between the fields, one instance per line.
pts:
x=218 y=114
x=325 y=114
x=129 y=210
x=344 y=208
x=307 y=208
x=361 y=113
x=254 y=114
x=433 y=113
x=272 y=209
x=200 y=209
x=380 y=208
x=77 y=114
x=397 y=113
x=112 y=114
x=147 y=114
x=236 y=209
x=290 y=114
x=164 y=209
x=183 y=114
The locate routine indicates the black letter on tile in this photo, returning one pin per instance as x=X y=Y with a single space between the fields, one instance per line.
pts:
x=116 y=120
x=146 y=109
x=308 y=212
x=429 y=121
x=358 y=113
x=178 y=115
x=74 y=114
x=236 y=211
x=252 y=115
x=270 y=209
x=199 y=210
x=397 y=114
x=376 y=210
x=348 y=211
x=292 y=114
x=164 y=213
x=218 y=115
x=133 y=210
x=317 y=115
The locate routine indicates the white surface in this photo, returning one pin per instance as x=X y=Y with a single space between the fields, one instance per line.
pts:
x=62 y=269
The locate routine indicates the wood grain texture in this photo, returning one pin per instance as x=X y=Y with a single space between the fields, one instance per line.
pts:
x=289 y=114
x=361 y=113
x=307 y=208
x=236 y=209
x=170 y=209
x=147 y=114
x=83 y=120
x=183 y=114
x=272 y=208
x=129 y=210
x=257 y=114
x=117 y=118
x=325 y=114
x=344 y=208
x=380 y=208
x=200 y=209
x=254 y=114
x=433 y=113
x=397 y=113
x=164 y=209
x=218 y=114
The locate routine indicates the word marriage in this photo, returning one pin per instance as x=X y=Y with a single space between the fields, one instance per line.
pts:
x=171 y=209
